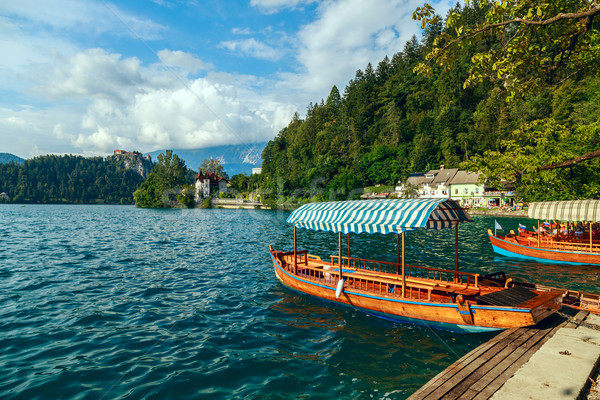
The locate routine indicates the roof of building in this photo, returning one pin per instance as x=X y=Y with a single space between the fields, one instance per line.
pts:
x=209 y=175
x=122 y=152
x=444 y=176
x=422 y=178
x=417 y=180
x=465 y=177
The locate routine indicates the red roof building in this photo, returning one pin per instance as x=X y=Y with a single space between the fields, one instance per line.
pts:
x=208 y=183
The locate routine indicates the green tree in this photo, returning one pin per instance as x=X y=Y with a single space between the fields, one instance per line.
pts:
x=240 y=183
x=536 y=53
x=69 y=179
x=389 y=122
x=164 y=183
x=213 y=166
x=533 y=158
x=523 y=44
x=186 y=196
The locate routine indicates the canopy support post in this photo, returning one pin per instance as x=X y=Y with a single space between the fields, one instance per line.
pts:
x=456 y=252
x=348 y=248
x=539 y=233
x=340 y=253
x=295 y=253
x=397 y=252
x=591 y=247
x=403 y=268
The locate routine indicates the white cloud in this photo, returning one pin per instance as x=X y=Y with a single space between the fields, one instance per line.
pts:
x=30 y=132
x=93 y=100
x=253 y=48
x=186 y=61
x=241 y=31
x=93 y=73
x=127 y=106
x=80 y=16
x=348 y=35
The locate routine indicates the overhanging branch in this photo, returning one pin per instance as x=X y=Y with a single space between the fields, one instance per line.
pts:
x=589 y=14
x=572 y=161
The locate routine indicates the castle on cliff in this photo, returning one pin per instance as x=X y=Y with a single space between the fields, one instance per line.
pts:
x=135 y=160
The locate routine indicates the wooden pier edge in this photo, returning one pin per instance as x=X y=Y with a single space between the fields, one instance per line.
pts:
x=482 y=372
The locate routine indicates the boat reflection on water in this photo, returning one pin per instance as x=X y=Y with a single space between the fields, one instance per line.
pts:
x=361 y=349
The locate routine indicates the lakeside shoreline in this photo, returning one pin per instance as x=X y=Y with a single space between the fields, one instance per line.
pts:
x=236 y=205
x=499 y=213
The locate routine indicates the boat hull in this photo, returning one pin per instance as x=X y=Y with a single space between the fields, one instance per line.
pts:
x=445 y=315
x=549 y=254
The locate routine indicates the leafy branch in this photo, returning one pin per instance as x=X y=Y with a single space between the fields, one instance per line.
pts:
x=542 y=43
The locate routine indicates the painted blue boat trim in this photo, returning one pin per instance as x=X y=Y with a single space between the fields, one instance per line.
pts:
x=509 y=253
x=474 y=308
x=456 y=328
x=455 y=307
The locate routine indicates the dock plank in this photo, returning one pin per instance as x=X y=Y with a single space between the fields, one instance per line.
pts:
x=459 y=364
x=465 y=374
x=482 y=376
x=507 y=367
x=496 y=384
x=480 y=373
x=461 y=369
x=578 y=319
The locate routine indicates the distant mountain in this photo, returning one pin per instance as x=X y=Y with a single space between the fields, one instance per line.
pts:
x=5 y=158
x=236 y=159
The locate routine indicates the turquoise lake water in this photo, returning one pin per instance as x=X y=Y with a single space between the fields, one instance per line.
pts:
x=105 y=302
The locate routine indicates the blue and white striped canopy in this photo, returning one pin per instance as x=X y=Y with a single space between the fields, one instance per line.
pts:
x=574 y=210
x=379 y=216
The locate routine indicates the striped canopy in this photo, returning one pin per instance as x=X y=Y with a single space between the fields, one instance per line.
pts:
x=379 y=216
x=575 y=210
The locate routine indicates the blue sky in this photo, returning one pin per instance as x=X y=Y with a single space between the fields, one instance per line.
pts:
x=90 y=76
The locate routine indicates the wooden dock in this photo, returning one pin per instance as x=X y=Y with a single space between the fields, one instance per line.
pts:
x=480 y=373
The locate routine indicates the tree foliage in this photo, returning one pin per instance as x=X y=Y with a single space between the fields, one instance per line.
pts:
x=213 y=166
x=391 y=121
x=529 y=149
x=522 y=44
x=69 y=179
x=164 y=183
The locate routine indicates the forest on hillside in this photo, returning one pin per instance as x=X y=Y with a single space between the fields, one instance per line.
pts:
x=69 y=179
x=391 y=120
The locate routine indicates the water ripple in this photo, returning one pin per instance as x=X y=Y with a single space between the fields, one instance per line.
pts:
x=101 y=302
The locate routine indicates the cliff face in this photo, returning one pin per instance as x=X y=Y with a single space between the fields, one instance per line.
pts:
x=135 y=160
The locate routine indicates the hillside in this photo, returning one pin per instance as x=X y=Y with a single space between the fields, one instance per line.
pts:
x=390 y=121
x=69 y=179
x=6 y=158
x=235 y=159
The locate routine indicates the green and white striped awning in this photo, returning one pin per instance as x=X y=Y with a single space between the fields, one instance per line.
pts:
x=575 y=210
x=379 y=216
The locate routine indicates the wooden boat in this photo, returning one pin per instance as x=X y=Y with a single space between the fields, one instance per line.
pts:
x=448 y=299
x=554 y=245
